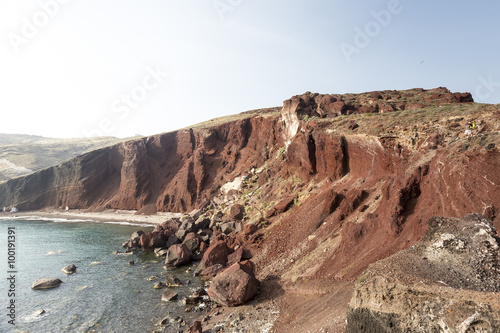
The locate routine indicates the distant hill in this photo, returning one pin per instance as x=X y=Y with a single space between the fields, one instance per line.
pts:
x=23 y=154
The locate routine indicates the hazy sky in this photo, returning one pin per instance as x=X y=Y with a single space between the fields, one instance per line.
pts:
x=75 y=68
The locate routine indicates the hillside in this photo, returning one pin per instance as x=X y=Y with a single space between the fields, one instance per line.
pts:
x=23 y=154
x=332 y=183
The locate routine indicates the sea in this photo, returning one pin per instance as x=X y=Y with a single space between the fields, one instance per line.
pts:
x=106 y=294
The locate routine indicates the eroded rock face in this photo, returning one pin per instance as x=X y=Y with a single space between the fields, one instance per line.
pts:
x=435 y=285
x=333 y=105
x=179 y=171
x=234 y=286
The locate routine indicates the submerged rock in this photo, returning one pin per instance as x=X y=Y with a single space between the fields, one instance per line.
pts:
x=173 y=281
x=158 y=285
x=46 y=283
x=169 y=295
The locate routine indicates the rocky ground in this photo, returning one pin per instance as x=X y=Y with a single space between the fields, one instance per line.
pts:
x=448 y=282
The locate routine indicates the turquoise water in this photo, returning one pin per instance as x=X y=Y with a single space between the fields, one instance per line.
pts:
x=102 y=296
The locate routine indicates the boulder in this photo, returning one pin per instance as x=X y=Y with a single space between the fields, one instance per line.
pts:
x=195 y=328
x=181 y=233
x=172 y=240
x=202 y=222
x=192 y=244
x=234 y=286
x=205 y=238
x=177 y=255
x=227 y=227
x=203 y=246
x=216 y=253
x=212 y=271
x=190 y=236
x=46 y=283
x=169 y=295
x=152 y=240
x=172 y=225
x=195 y=214
x=236 y=212
x=70 y=269
x=137 y=234
x=161 y=252
x=158 y=285
x=235 y=257
x=250 y=228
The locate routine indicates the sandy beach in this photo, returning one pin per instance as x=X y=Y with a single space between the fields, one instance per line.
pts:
x=104 y=216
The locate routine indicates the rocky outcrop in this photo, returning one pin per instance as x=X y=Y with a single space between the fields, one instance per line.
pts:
x=334 y=105
x=448 y=282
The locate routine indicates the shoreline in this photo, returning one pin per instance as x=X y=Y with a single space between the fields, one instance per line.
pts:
x=111 y=215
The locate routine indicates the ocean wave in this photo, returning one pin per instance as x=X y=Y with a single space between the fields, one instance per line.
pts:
x=64 y=220
x=45 y=219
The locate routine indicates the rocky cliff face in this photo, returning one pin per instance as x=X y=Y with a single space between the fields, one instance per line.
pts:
x=448 y=282
x=331 y=184
x=171 y=172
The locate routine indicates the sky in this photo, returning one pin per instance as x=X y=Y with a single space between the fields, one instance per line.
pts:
x=82 y=68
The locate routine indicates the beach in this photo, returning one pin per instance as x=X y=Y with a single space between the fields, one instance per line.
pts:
x=110 y=215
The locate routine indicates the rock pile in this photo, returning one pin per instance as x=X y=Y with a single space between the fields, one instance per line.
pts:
x=215 y=241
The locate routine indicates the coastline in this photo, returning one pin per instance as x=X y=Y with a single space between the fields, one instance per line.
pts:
x=114 y=216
